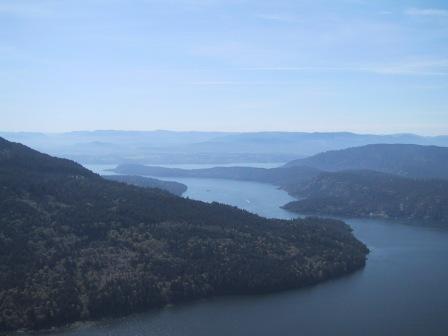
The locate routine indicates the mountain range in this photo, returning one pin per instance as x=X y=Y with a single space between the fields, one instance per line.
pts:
x=168 y=147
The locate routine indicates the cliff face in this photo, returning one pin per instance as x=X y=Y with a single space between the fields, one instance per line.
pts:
x=74 y=246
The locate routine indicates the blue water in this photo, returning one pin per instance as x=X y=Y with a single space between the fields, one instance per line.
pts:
x=403 y=290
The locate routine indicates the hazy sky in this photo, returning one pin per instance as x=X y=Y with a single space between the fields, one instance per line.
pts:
x=246 y=65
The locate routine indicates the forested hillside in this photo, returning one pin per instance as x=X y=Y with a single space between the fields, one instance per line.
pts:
x=74 y=246
x=147 y=182
x=404 y=160
x=373 y=194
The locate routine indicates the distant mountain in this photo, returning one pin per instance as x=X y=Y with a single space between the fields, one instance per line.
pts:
x=158 y=138
x=373 y=194
x=168 y=147
x=74 y=246
x=405 y=160
x=146 y=182
x=305 y=144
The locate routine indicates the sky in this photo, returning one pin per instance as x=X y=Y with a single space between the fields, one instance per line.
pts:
x=224 y=65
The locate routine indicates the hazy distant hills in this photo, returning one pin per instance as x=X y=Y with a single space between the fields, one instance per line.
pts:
x=75 y=246
x=304 y=144
x=405 y=160
x=164 y=147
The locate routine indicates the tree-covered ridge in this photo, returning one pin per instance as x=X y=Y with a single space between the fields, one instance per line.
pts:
x=21 y=159
x=373 y=194
x=74 y=246
x=400 y=159
x=147 y=182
